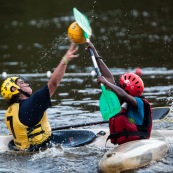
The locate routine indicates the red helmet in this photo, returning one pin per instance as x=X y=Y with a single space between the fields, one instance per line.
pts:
x=132 y=84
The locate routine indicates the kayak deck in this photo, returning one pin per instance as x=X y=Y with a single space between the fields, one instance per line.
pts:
x=135 y=154
x=132 y=155
x=66 y=138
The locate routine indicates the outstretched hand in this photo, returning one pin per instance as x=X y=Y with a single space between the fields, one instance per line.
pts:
x=71 y=52
x=59 y=71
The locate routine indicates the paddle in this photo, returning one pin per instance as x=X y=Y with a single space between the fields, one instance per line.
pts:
x=108 y=102
x=158 y=113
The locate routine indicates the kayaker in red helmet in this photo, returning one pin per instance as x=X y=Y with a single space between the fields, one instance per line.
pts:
x=134 y=121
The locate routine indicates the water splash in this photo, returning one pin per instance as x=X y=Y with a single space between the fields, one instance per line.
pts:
x=49 y=153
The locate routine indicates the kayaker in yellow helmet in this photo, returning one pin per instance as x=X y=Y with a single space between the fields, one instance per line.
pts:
x=26 y=116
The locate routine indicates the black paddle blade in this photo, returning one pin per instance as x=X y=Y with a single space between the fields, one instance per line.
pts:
x=72 y=138
x=160 y=113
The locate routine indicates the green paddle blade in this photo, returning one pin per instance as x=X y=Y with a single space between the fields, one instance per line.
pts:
x=109 y=103
x=83 y=22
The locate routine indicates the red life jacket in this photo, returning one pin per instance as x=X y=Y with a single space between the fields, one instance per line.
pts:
x=122 y=130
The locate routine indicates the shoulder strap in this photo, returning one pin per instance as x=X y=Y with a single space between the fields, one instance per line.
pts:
x=31 y=129
x=147 y=112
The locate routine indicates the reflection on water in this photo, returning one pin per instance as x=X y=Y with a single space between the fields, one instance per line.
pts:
x=127 y=35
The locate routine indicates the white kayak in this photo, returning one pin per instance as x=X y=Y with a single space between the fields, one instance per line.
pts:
x=4 y=140
x=136 y=154
x=132 y=155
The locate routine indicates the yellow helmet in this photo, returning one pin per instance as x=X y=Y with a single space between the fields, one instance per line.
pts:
x=6 y=88
x=76 y=34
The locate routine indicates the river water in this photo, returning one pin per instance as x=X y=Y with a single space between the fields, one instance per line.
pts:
x=126 y=34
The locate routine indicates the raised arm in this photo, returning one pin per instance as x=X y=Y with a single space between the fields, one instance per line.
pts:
x=122 y=95
x=108 y=80
x=59 y=72
x=102 y=66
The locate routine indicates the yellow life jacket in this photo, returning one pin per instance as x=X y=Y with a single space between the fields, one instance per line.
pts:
x=25 y=136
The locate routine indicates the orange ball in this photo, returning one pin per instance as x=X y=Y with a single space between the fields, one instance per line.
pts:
x=76 y=34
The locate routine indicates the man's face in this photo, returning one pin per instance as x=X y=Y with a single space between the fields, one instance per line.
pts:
x=24 y=86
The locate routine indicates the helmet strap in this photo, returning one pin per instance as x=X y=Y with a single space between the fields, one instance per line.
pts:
x=25 y=93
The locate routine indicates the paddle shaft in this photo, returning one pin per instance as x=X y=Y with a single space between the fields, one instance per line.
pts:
x=163 y=111
x=94 y=62
x=97 y=70
x=109 y=103
x=93 y=58
x=79 y=125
